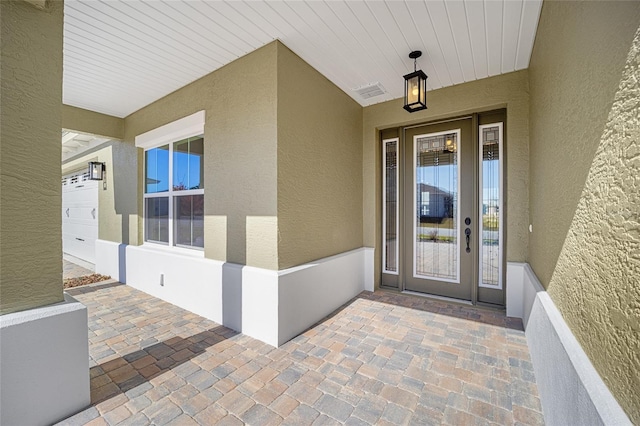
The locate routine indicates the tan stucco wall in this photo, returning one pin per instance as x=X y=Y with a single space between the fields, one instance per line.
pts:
x=508 y=91
x=118 y=203
x=319 y=165
x=240 y=175
x=91 y=122
x=585 y=181
x=30 y=191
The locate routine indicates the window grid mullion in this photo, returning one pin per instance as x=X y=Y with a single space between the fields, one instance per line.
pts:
x=171 y=230
x=156 y=195
x=191 y=224
x=189 y=192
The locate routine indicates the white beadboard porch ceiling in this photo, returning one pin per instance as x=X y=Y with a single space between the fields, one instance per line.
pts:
x=121 y=55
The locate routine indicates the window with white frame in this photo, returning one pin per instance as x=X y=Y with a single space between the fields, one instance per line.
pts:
x=174 y=183
x=174 y=193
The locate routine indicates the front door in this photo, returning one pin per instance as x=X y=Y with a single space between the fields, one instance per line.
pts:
x=443 y=208
x=439 y=236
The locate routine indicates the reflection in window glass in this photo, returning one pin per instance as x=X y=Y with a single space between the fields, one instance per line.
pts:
x=436 y=203
x=490 y=214
x=156 y=166
x=172 y=171
x=189 y=220
x=157 y=219
x=187 y=164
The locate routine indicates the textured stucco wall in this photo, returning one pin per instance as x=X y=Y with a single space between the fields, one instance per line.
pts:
x=118 y=204
x=508 y=91
x=319 y=165
x=92 y=122
x=30 y=191
x=585 y=181
x=240 y=176
x=575 y=69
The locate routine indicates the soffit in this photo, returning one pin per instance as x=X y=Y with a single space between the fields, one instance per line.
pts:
x=120 y=56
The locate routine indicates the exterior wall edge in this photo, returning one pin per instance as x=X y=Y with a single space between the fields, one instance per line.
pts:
x=571 y=390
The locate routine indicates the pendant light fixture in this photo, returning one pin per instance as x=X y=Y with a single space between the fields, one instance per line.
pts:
x=415 y=86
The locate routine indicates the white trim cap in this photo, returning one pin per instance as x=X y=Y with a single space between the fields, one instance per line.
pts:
x=190 y=125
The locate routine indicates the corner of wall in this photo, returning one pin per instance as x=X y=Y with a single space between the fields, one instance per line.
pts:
x=44 y=372
x=318 y=166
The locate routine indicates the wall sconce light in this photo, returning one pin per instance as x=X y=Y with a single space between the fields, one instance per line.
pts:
x=96 y=170
x=415 y=86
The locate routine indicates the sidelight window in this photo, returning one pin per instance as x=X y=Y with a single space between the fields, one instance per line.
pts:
x=491 y=211
x=390 y=206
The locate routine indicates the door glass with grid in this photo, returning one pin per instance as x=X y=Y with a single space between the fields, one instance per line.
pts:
x=438 y=202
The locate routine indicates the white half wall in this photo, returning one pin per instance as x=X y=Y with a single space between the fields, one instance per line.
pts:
x=531 y=288
x=260 y=304
x=271 y=306
x=312 y=291
x=369 y=269
x=44 y=373
x=571 y=390
x=111 y=260
x=190 y=282
x=522 y=288
x=515 y=282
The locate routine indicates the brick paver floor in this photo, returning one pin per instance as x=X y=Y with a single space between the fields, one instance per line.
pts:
x=383 y=358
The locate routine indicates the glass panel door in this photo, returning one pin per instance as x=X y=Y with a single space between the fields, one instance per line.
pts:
x=439 y=188
x=436 y=206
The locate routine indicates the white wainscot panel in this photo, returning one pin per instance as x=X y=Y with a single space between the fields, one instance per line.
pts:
x=191 y=282
x=312 y=291
x=271 y=306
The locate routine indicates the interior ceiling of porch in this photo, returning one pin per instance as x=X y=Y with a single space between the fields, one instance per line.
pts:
x=120 y=56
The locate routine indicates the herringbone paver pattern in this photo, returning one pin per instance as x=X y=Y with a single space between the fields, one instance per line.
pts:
x=383 y=358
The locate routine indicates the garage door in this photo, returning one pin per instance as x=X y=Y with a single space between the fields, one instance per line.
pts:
x=80 y=216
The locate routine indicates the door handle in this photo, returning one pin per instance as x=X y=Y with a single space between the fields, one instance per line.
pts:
x=67 y=212
x=467 y=233
x=93 y=213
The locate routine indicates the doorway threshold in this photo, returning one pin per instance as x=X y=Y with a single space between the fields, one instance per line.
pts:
x=436 y=297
